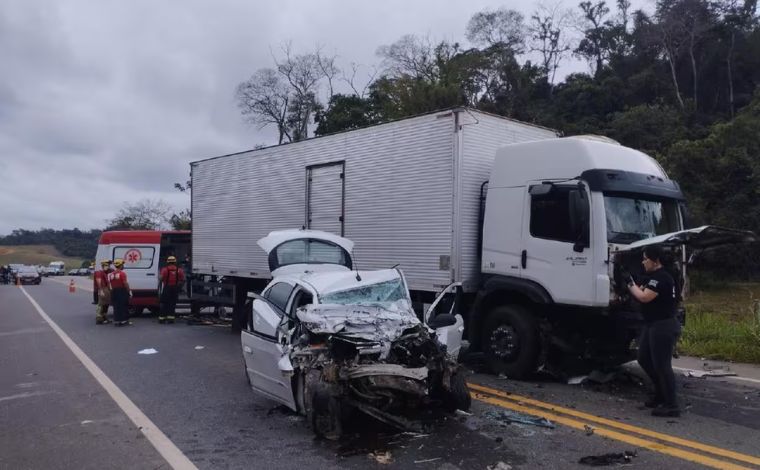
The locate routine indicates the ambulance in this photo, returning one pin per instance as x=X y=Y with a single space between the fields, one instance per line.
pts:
x=144 y=253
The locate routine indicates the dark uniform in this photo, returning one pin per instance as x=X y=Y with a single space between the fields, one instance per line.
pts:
x=172 y=279
x=119 y=296
x=659 y=336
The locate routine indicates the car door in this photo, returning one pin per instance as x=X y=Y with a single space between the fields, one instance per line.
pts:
x=265 y=342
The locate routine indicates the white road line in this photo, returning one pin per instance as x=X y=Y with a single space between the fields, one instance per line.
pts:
x=163 y=444
x=731 y=377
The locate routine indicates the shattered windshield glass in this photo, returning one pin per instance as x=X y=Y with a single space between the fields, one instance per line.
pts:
x=631 y=219
x=382 y=293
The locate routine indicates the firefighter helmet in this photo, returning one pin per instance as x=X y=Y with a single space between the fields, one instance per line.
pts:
x=118 y=262
x=171 y=259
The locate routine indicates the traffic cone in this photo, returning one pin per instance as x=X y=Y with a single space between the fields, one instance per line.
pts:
x=72 y=287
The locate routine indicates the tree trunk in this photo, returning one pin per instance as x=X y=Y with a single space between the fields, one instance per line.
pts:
x=673 y=76
x=693 y=67
x=729 y=61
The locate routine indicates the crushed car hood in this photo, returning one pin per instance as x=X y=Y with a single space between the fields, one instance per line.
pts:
x=369 y=322
x=707 y=236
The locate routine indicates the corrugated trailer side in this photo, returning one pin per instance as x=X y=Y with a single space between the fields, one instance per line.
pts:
x=480 y=135
x=396 y=188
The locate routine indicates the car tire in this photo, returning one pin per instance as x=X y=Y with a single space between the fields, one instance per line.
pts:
x=457 y=397
x=511 y=341
x=324 y=413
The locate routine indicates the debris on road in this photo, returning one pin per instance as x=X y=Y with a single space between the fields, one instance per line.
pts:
x=427 y=460
x=200 y=347
x=499 y=466
x=505 y=417
x=462 y=413
x=700 y=374
x=589 y=430
x=576 y=380
x=608 y=459
x=147 y=351
x=383 y=458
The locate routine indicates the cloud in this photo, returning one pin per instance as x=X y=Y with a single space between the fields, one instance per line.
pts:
x=105 y=102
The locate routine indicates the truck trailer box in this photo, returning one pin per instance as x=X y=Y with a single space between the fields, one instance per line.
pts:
x=406 y=192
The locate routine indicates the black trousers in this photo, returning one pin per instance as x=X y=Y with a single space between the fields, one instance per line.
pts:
x=120 y=302
x=169 y=300
x=655 y=356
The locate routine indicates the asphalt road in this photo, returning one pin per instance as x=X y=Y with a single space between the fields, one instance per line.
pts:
x=55 y=414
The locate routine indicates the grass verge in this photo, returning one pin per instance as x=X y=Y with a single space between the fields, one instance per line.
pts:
x=35 y=254
x=724 y=324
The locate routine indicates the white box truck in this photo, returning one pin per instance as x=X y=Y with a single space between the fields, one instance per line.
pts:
x=528 y=222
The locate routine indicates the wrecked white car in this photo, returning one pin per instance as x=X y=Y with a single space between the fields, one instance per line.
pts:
x=327 y=341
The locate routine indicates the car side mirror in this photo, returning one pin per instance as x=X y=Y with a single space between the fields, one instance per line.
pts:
x=442 y=320
x=579 y=218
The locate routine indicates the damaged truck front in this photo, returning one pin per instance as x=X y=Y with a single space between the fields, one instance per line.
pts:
x=334 y=342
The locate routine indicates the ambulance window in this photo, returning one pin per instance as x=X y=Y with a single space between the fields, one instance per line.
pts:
x=135 y=257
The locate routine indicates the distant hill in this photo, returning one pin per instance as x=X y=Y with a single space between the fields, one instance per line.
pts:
x=73 y=243
x=35 y=254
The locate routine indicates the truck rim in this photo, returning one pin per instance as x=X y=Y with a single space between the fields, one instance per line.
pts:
x=504 y=342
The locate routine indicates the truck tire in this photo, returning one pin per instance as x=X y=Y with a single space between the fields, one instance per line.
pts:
x=511 y=341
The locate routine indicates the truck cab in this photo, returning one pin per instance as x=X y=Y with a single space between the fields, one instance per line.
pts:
x=559 y=215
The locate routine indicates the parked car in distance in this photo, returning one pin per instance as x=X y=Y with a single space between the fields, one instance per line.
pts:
x=28 y=275
x=74 y=272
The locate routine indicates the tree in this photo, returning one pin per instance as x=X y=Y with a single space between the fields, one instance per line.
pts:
x=500 y=27
x=720 y=174
x=345 y=112
x=145 y=214
x=288 y=95
x=547 y=38
x=264 y=99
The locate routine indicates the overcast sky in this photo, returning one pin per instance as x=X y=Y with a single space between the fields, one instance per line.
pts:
x=106 y=101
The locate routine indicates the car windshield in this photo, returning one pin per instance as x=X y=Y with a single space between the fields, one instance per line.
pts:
x=27 y=270
x=382 y=293
x=630 y=219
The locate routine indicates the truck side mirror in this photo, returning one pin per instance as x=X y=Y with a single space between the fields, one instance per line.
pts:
x=579 y=218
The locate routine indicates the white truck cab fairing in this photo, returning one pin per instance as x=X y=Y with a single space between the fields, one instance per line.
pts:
x=529 y=235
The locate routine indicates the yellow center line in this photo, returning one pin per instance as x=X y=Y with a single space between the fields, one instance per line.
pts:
x=654 y=446
x=622 y=426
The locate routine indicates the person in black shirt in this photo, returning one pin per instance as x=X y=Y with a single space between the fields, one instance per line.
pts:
x=660 y=332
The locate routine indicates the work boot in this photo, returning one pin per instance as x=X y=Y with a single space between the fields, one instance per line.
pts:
x=666 y=411
x=99 y=321
x=170 y=319
x=161 y=319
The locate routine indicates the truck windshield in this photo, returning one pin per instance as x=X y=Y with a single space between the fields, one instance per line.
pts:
x=630 y=219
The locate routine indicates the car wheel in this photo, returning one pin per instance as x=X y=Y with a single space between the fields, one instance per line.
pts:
x=458 y=396
x=324 y=414
x=511 y=341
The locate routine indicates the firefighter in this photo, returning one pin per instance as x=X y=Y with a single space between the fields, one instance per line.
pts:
x=172 y=279
x=102 y=292
x=120 y=293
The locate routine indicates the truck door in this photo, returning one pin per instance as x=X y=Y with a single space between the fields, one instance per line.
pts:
x=551 y=254
x=324 y=197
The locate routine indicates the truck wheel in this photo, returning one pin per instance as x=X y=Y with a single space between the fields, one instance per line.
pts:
x=458 y=395
x=511 y=341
